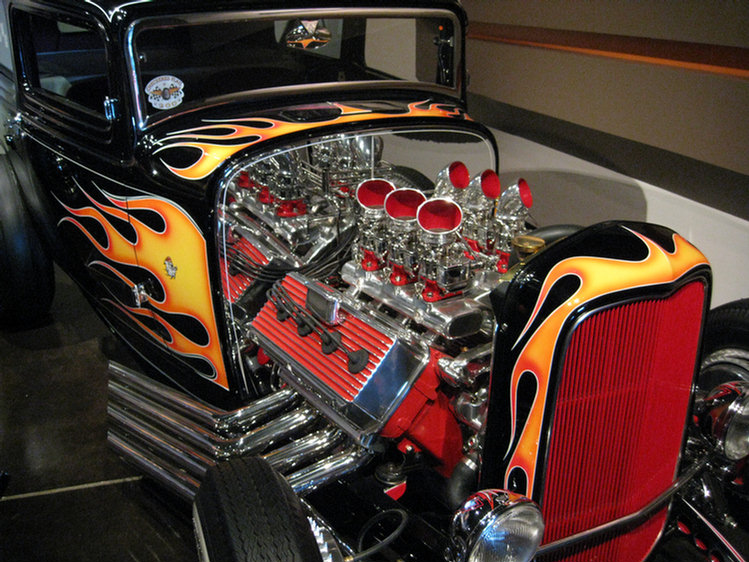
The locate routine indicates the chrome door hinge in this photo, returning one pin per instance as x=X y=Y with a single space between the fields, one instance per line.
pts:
x=12 y=129
x=111 y=108
x=141 y=293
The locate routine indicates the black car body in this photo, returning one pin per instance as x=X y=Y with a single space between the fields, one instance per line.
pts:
x=280 y=221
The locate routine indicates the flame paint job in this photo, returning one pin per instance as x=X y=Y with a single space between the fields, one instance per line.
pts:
x=598 y=276
x=243 y=133
x=174 y=255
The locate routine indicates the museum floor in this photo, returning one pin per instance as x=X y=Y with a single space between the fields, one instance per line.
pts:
x=70 y=498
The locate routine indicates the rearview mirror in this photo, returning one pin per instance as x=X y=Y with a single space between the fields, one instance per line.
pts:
x=306 y=34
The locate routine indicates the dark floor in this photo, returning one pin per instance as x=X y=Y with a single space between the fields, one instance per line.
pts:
x=70 y=498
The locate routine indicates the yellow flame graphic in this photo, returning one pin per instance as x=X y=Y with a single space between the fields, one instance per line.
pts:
x=212 y=155
x=181 y=243
x=598 y=276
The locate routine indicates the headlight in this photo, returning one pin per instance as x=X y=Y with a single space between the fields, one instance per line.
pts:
x=726 y=419
x=496 y=525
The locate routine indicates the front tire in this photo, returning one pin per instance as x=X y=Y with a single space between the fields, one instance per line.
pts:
x=725 y=358
x=246 y=512
x=725 y=352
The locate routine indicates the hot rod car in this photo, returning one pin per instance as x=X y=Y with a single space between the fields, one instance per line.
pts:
x=354 y=342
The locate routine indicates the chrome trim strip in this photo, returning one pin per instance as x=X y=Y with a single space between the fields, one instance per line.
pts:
x=628 y=521
x=723 y=540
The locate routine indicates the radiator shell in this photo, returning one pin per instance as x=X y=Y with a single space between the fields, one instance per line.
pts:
x=589 y=377
x=632 y=415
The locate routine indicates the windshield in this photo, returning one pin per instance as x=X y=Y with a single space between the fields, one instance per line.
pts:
x=193 y=59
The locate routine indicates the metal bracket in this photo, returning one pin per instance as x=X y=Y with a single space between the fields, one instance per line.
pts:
x=111 y=108
x=140 y=293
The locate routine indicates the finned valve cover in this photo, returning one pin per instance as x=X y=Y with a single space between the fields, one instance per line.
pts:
x=349 y=363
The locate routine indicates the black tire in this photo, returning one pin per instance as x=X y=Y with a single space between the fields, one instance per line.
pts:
x=725 y=351
x=408 y=177
x=725 y=358
x=246 y=512
x=27 y=278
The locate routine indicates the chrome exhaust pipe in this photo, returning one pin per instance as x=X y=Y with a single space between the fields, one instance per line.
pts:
x=323 y=471
x=166 y=447
x=304 y=450
x=207 y=442
x=293 y=455
x=219 y=420
x=165 y=474
x=174 y=439
x=186 y=487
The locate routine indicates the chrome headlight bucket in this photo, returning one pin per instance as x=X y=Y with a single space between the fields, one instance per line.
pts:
x=725 y=419
x=496 y=525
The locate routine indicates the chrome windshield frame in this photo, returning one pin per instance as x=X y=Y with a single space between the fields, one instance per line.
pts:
x=140 y=113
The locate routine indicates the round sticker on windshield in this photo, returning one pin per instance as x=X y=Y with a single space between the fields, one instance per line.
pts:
x=165 y=92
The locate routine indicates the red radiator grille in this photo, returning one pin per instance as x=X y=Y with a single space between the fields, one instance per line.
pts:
x=331 y=369
x=619 y=419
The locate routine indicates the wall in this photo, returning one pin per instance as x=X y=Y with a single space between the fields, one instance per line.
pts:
x=653 y=97
x=701 y=114
x=398 y=55
x=569 y=190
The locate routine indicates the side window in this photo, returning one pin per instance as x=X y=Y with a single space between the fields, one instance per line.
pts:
x=66 y=60
x=6 y=56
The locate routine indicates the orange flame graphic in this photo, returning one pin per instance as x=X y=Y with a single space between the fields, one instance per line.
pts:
x=598 y=276
x=185 y=280
x=212 y=155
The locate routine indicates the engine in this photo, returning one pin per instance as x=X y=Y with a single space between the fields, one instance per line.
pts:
x=374 y=282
